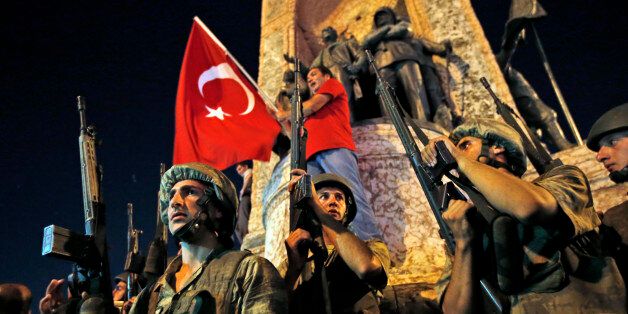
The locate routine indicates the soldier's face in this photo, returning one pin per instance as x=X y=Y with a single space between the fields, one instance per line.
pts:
x=334 y=202
x=613 y=151
x=119 y=291
x=183 y=207
x=315 y=79
x=472 y=147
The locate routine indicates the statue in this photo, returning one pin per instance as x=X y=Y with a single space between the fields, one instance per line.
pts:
x=405 y=62
x=346 y=60
x=536 y=114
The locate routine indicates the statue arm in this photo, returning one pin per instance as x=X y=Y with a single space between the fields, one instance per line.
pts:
x=400 y=30
x=435 y=48
x=371 y=40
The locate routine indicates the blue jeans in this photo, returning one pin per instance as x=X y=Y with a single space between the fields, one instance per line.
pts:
x=344 y=162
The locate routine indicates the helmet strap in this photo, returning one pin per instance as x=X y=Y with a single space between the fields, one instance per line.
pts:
x=187 y=232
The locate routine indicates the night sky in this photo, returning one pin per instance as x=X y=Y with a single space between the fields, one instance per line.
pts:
x=125 y=59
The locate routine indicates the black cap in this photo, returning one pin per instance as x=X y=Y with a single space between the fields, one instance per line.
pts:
x=612 y=121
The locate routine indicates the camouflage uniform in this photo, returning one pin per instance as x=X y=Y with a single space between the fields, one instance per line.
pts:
x=347 y=292
x=553 y=284
x=227 y=282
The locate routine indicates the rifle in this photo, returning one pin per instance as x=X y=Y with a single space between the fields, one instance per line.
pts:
x=157 y=256
x=300 y=215
x=134 y=263
x=88 y=251
x=537 y=153
x=438 y=194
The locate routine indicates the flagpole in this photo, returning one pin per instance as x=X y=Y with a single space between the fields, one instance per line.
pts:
x=265 y=97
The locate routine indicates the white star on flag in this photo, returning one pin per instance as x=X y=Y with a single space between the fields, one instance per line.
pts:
x=218 y=113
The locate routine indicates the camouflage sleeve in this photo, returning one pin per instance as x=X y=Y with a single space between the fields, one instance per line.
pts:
x=380 y=250
x=261 y=288
x=570 y=188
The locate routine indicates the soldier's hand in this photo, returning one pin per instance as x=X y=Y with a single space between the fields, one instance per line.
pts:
x=296 y=240
x=429 y=154
x=126 y=307
x=53 y=298
x=456 y=218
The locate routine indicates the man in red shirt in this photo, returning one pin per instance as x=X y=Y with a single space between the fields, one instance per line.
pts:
x=330 y=147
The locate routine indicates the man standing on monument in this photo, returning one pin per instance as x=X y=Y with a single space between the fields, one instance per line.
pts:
x=330 y=147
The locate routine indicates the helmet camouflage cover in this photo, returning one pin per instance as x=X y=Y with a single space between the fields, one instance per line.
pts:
x=495 y=132
x=199 y=172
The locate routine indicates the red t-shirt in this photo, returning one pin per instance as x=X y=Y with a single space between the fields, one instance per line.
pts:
x=330 y=126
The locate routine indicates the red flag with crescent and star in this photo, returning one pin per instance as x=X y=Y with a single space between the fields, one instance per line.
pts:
x=221 y=119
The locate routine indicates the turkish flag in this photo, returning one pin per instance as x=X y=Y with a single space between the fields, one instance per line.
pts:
x=220 y=117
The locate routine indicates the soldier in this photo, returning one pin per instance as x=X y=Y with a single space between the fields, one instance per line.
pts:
x=609 y=138
x=199 y=204
x=355 y=269
x=559 y=264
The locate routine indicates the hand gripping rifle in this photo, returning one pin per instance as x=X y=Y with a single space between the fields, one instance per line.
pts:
x=538 y=155
x=134 y=264
x=157 y=256
x=300 y=215
x=88 y=251
x=437 y=193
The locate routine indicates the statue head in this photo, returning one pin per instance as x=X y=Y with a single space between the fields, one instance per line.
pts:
x=384 y=16
x=288 y=76
x=329 y=35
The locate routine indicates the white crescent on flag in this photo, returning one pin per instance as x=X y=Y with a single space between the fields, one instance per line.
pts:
x=224 y=71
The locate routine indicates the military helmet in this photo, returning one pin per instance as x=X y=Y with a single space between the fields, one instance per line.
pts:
x=334 y=180
x=612 y=121
x=214 y=178
x=495 y=132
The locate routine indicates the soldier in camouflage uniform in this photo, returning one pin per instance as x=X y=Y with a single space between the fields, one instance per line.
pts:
x=199 y=204
x=609 y=139
x=560 y=268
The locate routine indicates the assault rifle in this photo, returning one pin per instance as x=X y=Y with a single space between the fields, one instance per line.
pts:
x=157 y=256
x=300 y=215
x=88 y=251
x=438 y=194
x=536 y=152
x=134 y=264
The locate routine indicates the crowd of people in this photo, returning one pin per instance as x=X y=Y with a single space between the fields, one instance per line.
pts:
x=560 y=256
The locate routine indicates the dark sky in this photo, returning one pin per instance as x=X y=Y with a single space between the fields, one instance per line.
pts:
x=125 y=59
